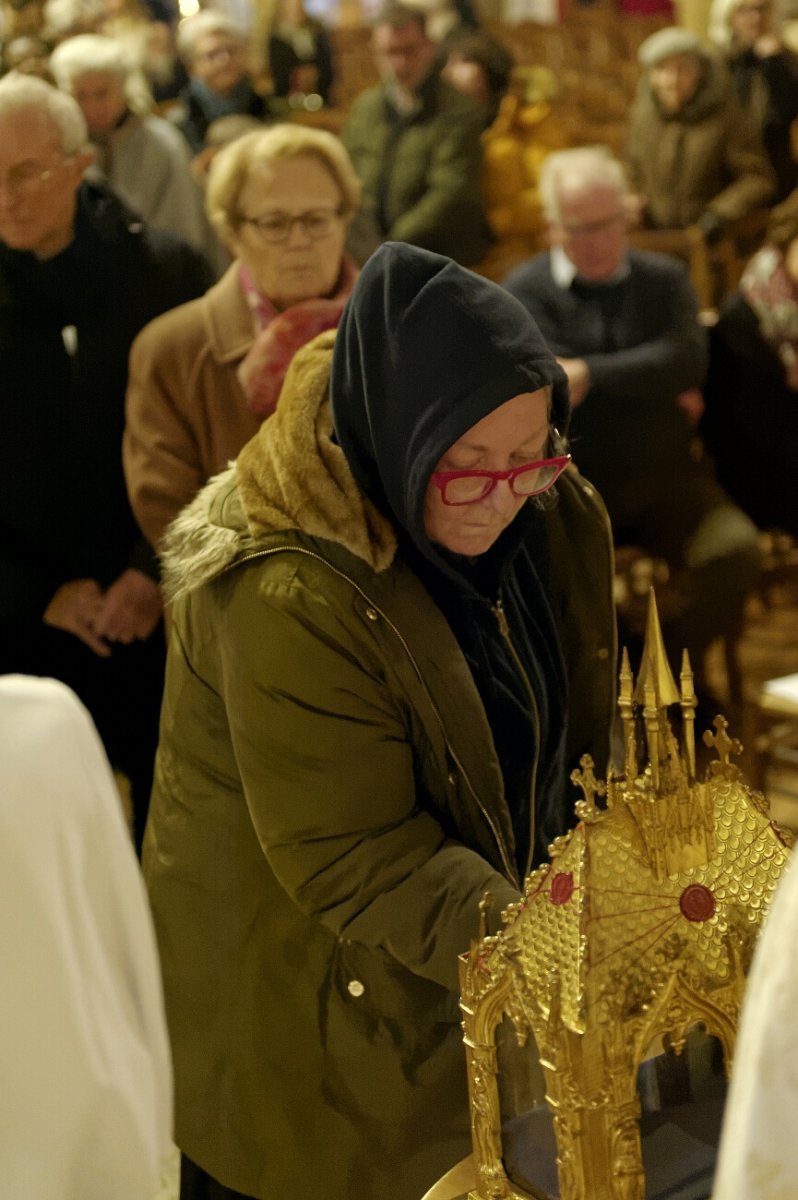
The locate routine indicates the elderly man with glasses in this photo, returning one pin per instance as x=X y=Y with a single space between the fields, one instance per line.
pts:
x=79 y=276
x=624 y=326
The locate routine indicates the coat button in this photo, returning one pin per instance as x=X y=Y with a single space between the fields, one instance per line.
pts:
x=452 y=778
x=587 y=489
x=372 y=614
x=603 y=653
x=355 y=988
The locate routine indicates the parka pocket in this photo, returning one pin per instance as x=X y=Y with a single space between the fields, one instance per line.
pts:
x=388 y=1035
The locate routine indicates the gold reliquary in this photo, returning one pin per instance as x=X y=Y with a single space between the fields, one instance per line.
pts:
x=600 y=1021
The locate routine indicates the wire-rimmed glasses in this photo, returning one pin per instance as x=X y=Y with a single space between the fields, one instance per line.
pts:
x=275 y=227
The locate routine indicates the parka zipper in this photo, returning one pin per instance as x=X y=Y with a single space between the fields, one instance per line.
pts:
x=504 y=630
x=509 y=868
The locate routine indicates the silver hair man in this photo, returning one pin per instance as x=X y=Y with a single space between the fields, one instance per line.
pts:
x=578 y=169
x=18 y=92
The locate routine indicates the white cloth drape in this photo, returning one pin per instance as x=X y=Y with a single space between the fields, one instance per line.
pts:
x=85 y=1073
x=759 y=1146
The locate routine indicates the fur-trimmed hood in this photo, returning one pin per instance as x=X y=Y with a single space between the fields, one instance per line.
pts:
x=291 y=476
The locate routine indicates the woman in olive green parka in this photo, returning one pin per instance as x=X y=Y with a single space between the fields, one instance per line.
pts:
x=377 y=685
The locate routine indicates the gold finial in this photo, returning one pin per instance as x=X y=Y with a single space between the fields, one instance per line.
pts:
x=654 y=670
x=651 y=718
x=626 y=706
x=688 y=712
x=485 y=905
x=590 y=787
x=723 y=746
x=656 y=689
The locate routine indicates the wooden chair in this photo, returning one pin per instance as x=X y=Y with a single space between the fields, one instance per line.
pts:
x=779 y=579
x=715 y=270
x=773 y=730
x=741 y=239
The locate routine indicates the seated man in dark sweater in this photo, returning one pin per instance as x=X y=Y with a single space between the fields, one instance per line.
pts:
x=80 y=275
x=624 y=325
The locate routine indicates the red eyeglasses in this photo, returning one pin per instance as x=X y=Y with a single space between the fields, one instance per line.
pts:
x=530 y=479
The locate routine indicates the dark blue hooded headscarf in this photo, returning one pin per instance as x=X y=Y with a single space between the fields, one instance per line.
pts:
x=426 y=349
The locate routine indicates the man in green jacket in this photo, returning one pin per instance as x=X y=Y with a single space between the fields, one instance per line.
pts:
x=415 y=143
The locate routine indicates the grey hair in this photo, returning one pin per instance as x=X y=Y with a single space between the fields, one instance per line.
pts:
x=581 y=166
x=18 y=92
x=207 y=21
x=89 y=52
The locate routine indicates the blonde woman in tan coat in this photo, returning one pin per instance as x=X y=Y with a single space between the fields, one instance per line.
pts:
x=204 y=376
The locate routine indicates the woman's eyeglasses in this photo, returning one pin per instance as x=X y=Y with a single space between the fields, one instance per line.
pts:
x=530 y=479
x=277 y=226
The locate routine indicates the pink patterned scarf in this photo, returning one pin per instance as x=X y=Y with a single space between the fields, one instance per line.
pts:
x=262 y=372
x=774 y=298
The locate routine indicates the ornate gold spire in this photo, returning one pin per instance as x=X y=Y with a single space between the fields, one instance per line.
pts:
x=640 y=927
x=655 y=675
x=672 y=811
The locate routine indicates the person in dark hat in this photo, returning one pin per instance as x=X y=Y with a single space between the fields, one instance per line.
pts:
x=695 y=156
x=393 y=639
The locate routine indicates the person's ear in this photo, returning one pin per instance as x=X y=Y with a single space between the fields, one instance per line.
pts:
x=232 y=241
x=81 y=163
